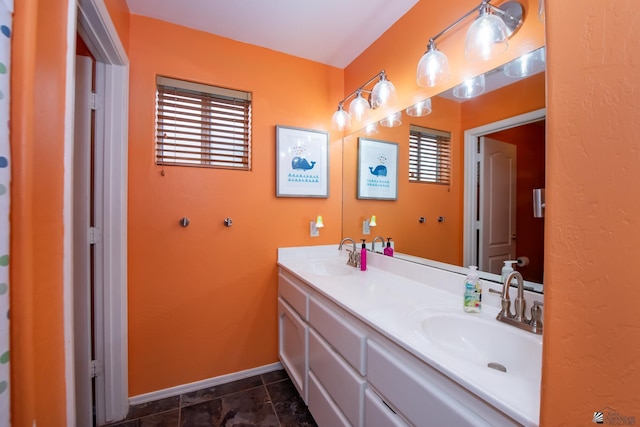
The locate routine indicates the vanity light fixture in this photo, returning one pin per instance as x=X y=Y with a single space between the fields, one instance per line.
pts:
x=419 y=109
x=487 y=37
x=371 y=129
x=367 y=224
x=372 y=221
x=382 y=95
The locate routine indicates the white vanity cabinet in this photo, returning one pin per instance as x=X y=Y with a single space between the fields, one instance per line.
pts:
x=350 y=374
x=293 y=336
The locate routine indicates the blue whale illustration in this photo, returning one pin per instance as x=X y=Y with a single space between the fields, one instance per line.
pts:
x=301 y=163
x=380 y=170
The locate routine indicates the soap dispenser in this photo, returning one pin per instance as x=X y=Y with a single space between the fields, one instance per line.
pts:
x=388 y=251
x=363 y=256
x=472 y=291
x=507 y=268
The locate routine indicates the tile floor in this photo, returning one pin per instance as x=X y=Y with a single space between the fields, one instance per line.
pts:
x=268 y=400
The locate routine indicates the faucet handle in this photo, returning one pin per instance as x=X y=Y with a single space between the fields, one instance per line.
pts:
x=536 y=317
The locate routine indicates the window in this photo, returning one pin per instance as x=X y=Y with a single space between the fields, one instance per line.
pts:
x=201 y=125
x=429 y=155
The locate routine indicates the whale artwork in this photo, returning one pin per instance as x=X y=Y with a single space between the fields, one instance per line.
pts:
x=301 y=163
x=379 y=170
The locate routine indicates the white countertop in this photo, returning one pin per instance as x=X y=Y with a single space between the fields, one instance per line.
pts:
x=389 y=297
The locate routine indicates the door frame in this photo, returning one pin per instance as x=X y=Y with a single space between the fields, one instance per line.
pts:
x=470 y=224
x=91 y=19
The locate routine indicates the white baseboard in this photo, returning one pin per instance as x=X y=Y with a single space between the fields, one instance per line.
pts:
x=198 y=385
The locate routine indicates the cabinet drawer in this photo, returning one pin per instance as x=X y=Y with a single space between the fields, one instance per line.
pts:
x=325 y=413
x=293 y=345
x=348 y=340
x=414 y=392
x=378 y=414
x=342 y=383
x=294 y=295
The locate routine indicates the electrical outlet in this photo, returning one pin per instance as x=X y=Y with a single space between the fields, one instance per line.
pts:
x=365 y=227
x=313 y=230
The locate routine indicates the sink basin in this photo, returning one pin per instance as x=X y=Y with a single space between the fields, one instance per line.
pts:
x=329 y=268
x=485 y=343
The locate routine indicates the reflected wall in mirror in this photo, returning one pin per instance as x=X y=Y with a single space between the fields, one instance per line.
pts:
x=428 y=220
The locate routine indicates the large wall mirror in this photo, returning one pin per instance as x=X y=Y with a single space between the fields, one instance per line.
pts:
x=481 y=211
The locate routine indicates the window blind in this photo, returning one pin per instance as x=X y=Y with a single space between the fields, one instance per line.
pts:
x=429 y=155
x=202 y=125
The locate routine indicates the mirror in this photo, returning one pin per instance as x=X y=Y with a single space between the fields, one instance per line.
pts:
x=439 y=224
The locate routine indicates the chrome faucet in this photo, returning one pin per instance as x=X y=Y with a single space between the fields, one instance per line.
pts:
x=519 y=319
x=373 y=243
x=354 y=256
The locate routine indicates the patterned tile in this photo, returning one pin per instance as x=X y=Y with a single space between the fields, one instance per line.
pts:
x=248 y=408
x=154 y=407
x=271 y=377
x=214 y=392
x=289 y=406
x=164 y=419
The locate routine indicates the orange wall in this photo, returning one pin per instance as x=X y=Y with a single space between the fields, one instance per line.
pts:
x=398 y=219
x=37 y=342
x=119 y=12
x=592 y=333
x=202 y=299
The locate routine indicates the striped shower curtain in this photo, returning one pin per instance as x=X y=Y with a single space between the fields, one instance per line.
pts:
x=6 y=14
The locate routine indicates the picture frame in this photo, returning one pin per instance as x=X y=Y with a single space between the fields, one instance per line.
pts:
x=302 y=162
x=377 y=169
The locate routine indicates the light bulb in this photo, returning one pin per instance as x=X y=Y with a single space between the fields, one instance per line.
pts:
x=419 y=109
x=383 y=94
x=433 y=67
x=487 y=36
x=341 y=120
x=359 y=108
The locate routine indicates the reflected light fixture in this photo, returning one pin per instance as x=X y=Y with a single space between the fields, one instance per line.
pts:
x=382 y=95
x=487 y=37
x=371 y=129
x=528 y=64
x=392 y=120
x=419 y=109
x=471 y=87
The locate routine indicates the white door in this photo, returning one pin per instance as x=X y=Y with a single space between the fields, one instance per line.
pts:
x=497 y=210
x=82 y=299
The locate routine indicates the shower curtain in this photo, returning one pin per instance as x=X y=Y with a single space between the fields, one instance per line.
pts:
x=6 y=15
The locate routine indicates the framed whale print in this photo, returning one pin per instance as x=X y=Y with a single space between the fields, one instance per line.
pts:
x=302 y=162
x=377 y=169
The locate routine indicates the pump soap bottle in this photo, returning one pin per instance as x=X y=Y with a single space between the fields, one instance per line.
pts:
x=363 y=256
x=472 y=291
x=507 y=268
x=388 y=251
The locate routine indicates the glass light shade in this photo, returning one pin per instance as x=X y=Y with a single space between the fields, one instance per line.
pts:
x=372 y=221
x=419 y=109
x=470 y=87
x=319 y=222
x=383 y=94
x=359 y=108
x=433 y=68
x=341 y=120
x=393 y=120
x=371 y=129
x=487 y=37
x=527 y=65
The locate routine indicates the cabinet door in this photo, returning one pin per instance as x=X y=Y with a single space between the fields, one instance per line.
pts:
x=378 y=414
x=293 y=346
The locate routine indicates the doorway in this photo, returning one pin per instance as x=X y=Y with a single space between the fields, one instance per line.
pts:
x=107 y=345
x=473 y=232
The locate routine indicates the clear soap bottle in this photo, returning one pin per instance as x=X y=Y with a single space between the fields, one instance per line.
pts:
x=472 y=291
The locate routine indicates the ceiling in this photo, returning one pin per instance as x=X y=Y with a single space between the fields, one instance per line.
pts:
x=332 y=32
